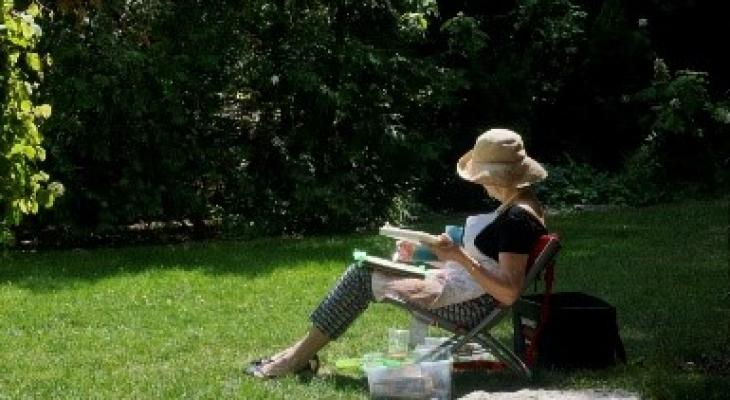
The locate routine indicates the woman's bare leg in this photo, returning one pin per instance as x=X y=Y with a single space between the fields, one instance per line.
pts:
x=298 y=355
x=343 y=304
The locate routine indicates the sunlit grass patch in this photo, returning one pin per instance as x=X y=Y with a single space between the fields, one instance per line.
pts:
x=181 y=321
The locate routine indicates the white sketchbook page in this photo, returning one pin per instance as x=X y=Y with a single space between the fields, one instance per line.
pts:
x=408 y=234
x=394 y=267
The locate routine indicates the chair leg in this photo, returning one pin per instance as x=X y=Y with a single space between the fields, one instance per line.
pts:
x=504 y=354
x=499 y=350
x=462 y=336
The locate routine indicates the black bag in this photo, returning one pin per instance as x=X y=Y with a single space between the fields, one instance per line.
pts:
x=581 y=331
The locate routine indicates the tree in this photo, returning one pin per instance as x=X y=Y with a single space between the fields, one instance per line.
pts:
x=24 y=188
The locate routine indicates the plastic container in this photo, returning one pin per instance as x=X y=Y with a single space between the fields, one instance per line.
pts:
x=439 y=375
x=418 y=331
x=425 y=380
x=435 y=341
x=398 y=342
x=425 y=352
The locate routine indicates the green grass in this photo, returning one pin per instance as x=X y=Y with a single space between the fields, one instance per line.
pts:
x=180 y=321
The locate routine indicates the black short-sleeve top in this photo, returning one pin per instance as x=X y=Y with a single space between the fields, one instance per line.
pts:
x=515 y=230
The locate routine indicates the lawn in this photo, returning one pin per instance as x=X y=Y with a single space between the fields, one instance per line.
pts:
x=180 y=321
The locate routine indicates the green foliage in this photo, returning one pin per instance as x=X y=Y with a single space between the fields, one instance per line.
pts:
x=508 y=66
x=139 y=132
x=271 y=116
x=572 y=183
x=575 y=183
x=414 y=22
x=553 y=33
x=24 y=188
x=278 y=117
x=687 y=130
x=465 y=39
x=602 y=57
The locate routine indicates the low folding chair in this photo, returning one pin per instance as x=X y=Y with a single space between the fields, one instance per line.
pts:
x=542 y=260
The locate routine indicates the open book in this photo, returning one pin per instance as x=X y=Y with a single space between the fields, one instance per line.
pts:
x=394 y=267
x=407 y=234
x=400 y=268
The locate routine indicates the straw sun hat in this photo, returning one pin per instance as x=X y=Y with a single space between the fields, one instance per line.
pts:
x=499 y=159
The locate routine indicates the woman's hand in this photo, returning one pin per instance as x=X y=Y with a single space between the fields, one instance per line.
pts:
x=446 y=250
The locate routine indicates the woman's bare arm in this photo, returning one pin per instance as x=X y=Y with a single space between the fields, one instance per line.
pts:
x=504 y=283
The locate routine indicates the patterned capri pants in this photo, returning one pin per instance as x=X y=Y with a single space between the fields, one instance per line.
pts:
x=352 y=294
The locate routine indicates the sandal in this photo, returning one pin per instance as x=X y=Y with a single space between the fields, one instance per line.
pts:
x=255 y=368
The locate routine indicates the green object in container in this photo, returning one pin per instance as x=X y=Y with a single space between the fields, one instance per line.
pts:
x=392 y=363
x=349 y=364
x=356 y=365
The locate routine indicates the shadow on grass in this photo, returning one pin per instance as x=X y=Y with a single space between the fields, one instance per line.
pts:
x=349 y=383
x=59 y=269
x=689 y=386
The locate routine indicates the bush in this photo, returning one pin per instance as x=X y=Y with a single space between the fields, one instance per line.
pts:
x=297 y=117
x=136 y=88
x=574 y=183
x=687 y=131
x=287 y=117
x=335 y=124
x=639 y=183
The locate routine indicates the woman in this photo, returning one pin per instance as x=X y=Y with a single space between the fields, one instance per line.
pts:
x=488 y=269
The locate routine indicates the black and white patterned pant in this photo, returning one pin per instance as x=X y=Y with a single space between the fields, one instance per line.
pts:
x=352 y=294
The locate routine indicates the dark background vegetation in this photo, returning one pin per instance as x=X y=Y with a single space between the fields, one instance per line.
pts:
x=267 y=117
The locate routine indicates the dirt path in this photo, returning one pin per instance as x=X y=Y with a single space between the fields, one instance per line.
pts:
x=526 y=394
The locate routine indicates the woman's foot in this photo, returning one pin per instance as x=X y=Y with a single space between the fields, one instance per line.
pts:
x=255 y=368
x=280 y=365
x=300 y=357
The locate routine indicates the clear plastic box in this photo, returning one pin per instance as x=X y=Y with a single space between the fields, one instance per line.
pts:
x=424 y=380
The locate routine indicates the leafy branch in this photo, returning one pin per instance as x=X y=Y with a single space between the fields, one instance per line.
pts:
x=24 y=188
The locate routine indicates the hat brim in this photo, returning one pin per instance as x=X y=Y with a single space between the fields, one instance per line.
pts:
x=512 y=174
